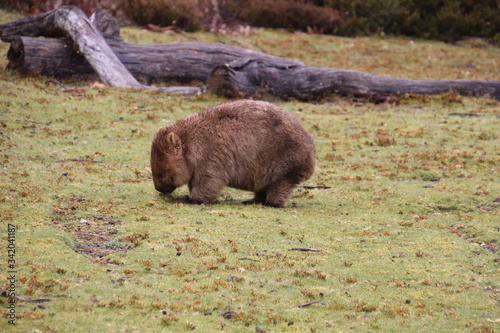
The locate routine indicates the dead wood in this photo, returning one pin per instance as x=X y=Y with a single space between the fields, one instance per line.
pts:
x=84 y=160
x=22 y=299
x=178 y=62
x=305 y=249
x=307 y=304
x=250 y=76
x=95 y=46
x=84 y=39
x=311 y=187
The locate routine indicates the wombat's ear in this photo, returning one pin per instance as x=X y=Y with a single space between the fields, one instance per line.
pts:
x=172 y=140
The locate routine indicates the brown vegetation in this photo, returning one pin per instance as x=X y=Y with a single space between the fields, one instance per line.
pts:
x=448 y=20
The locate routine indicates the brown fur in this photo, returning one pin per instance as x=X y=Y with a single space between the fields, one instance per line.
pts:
x=249 y=145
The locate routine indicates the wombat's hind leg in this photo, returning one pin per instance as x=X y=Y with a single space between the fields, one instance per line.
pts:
x=259 y=198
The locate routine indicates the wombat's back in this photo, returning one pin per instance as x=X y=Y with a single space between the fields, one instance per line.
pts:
x=242 y=120
x=252 y=143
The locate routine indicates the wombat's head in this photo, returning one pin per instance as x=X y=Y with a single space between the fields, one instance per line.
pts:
x=168 y=164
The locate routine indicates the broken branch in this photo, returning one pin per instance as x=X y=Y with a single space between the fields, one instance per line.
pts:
x=307 y=304
x=305 y=249
x=310 y=187
x=87 y=41
x=19 y=298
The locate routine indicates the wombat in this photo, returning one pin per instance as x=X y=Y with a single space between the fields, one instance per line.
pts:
x=248 y=145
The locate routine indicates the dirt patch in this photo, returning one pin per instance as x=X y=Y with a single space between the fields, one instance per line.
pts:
x=96 y=237
x=490 y=246
x=462 y=232
x=487 y=207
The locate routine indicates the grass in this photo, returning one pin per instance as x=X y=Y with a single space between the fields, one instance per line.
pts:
x=408 y=231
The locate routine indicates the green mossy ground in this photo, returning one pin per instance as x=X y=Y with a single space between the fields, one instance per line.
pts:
x=408 y=231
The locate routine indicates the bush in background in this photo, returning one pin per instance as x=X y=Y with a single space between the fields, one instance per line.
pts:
x=289 y=14
x=446 y=20
x=40 y=6
x=185 y=14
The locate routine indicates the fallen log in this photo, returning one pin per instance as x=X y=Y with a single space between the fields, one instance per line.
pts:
x=227 y=70
x=178 y=62
x=250 y=76
x=85 y=40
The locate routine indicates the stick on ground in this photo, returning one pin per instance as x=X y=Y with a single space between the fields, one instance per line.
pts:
x=19 y=298
x=307 y=304
x=305 y=249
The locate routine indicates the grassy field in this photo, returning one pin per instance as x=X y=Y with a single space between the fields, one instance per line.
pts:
x=408 y=231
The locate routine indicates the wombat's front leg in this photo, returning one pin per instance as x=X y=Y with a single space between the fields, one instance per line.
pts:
x=278 y=193
x=259 y=198
x=204 y=190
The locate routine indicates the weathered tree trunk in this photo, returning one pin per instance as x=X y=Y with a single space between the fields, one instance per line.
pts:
x=249 y=76
x=228 y=70
x=179 y=62
x=71 y=22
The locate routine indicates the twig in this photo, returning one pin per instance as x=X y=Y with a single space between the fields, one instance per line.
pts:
x=310 y=249
x=38 y=122
x=307 y=304
x=250 y=259
x=19 y=298
x=464 y=114
x=78 y=160
x=309 y=187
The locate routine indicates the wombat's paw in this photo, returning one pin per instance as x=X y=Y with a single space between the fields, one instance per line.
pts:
x=250 y=202
x=258 y=198
x=254 y=201
x=275 y=204
x=187 y=200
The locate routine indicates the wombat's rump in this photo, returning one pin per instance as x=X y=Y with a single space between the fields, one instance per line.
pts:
x=249 y=145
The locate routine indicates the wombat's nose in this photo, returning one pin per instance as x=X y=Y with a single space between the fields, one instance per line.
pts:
x=165 y=188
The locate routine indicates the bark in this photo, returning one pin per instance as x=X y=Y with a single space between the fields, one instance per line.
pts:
x=95 y=46
x=249 y=77
x=179 y=62
x=86 y=40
